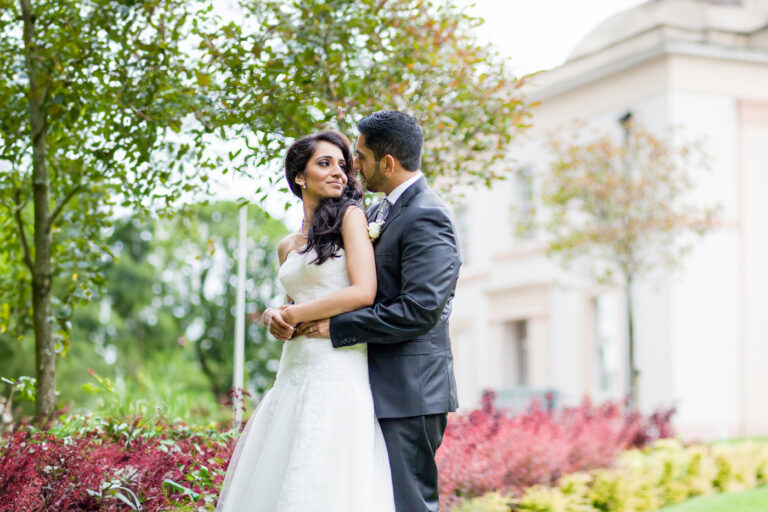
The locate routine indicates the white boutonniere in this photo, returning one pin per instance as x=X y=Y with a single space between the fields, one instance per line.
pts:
x=374 y=230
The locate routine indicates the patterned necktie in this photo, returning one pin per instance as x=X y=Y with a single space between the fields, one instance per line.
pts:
x=382 y=212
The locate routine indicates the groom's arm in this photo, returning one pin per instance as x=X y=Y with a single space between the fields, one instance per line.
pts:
x=430 y=267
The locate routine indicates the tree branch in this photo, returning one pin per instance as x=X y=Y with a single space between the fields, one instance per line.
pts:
x=9 y=207
x=60 y=206
x=22 y=234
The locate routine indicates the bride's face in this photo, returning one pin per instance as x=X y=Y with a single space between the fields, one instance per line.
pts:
x=325 y=174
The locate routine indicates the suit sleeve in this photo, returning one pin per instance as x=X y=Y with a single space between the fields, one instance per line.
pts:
x=429 y=265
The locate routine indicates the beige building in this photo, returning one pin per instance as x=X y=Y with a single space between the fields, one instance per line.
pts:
x=523 y=326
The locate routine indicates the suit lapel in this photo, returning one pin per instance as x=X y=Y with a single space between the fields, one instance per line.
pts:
x=403 y=201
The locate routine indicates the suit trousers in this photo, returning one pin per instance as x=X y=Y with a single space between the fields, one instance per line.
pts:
x=411 y=444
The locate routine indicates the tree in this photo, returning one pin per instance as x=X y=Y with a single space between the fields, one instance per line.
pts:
x=291 y=68
x=622 y=209
x=97 y=107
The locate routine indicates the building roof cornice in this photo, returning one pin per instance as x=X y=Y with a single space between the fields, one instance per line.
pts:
x=575 y=74
x=701 y=19
x=735 y=30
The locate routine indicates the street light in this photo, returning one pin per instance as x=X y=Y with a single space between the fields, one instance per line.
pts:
x=237 y=377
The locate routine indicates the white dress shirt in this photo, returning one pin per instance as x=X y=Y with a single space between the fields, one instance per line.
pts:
x=393 y=196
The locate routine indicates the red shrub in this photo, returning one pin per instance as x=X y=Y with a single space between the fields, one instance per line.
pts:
x=39 y=471
x=487 y=450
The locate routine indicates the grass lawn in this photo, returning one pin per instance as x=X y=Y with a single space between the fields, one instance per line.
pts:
x=755 y=500
x=757 y=439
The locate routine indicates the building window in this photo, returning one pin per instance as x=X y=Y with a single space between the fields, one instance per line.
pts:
x=606 y=344
x=516 y=364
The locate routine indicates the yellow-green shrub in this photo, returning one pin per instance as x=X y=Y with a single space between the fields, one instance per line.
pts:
x=664 y=473
x=615 y=490
x=490 y=502
x=740 y=466
x=576 y=484
x=552 y=499
x=701 y=472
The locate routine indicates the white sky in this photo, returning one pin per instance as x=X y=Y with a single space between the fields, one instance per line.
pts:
x=534 y=34
x=540 y=34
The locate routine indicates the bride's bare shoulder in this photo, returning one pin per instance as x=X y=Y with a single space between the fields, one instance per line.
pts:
x=286 y=245
x=353 y=213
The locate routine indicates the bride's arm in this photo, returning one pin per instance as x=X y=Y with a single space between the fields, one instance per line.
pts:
x=361 y=268
x=273 y=318
x=283 y=248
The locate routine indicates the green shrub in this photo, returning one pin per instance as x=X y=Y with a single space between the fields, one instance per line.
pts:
x=158 y=390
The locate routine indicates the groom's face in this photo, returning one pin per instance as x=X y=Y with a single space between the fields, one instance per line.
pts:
x=369 y=167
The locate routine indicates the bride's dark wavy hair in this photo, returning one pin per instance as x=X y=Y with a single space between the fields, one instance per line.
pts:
x=324 y=234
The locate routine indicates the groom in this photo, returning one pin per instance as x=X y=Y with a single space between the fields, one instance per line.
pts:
x=417 y=265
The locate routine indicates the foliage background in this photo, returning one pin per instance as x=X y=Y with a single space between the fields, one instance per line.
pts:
x=132 y=108
x=162 y=330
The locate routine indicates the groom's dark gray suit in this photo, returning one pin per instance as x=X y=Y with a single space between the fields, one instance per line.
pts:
x=409 y=350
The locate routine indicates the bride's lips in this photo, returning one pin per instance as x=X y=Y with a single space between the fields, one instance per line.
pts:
x=336 y=184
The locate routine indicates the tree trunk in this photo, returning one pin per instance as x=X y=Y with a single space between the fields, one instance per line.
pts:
x=45 y=393
x=634 y=374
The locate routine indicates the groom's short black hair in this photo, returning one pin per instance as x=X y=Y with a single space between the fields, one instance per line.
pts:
x=389 y=132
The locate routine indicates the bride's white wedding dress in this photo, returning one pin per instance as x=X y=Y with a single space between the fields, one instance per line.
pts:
x=313 y=443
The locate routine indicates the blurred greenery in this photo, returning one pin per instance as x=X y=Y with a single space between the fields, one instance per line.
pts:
x=159 y=339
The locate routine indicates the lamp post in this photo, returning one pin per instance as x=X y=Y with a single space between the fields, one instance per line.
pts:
x=237 y=377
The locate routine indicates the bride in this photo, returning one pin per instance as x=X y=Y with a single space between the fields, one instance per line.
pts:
x=313 y=443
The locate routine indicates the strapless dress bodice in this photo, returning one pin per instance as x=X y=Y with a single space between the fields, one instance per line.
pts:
x=305 y=281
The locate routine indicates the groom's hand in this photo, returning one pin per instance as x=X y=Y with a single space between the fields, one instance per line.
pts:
x=315 y=329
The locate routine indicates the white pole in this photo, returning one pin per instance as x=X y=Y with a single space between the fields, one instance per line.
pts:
x=237 y=379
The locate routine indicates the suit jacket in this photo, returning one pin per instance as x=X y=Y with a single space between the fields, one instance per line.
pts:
x=410 y=362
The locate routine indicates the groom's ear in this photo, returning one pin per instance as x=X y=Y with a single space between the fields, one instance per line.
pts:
x=389 y=164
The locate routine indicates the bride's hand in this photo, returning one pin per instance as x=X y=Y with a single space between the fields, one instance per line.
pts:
x=277 y=325
x=286 y=311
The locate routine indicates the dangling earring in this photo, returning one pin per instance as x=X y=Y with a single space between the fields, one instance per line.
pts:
x=304 y=186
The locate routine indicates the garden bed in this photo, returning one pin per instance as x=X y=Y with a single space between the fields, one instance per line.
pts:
x=106 y=464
